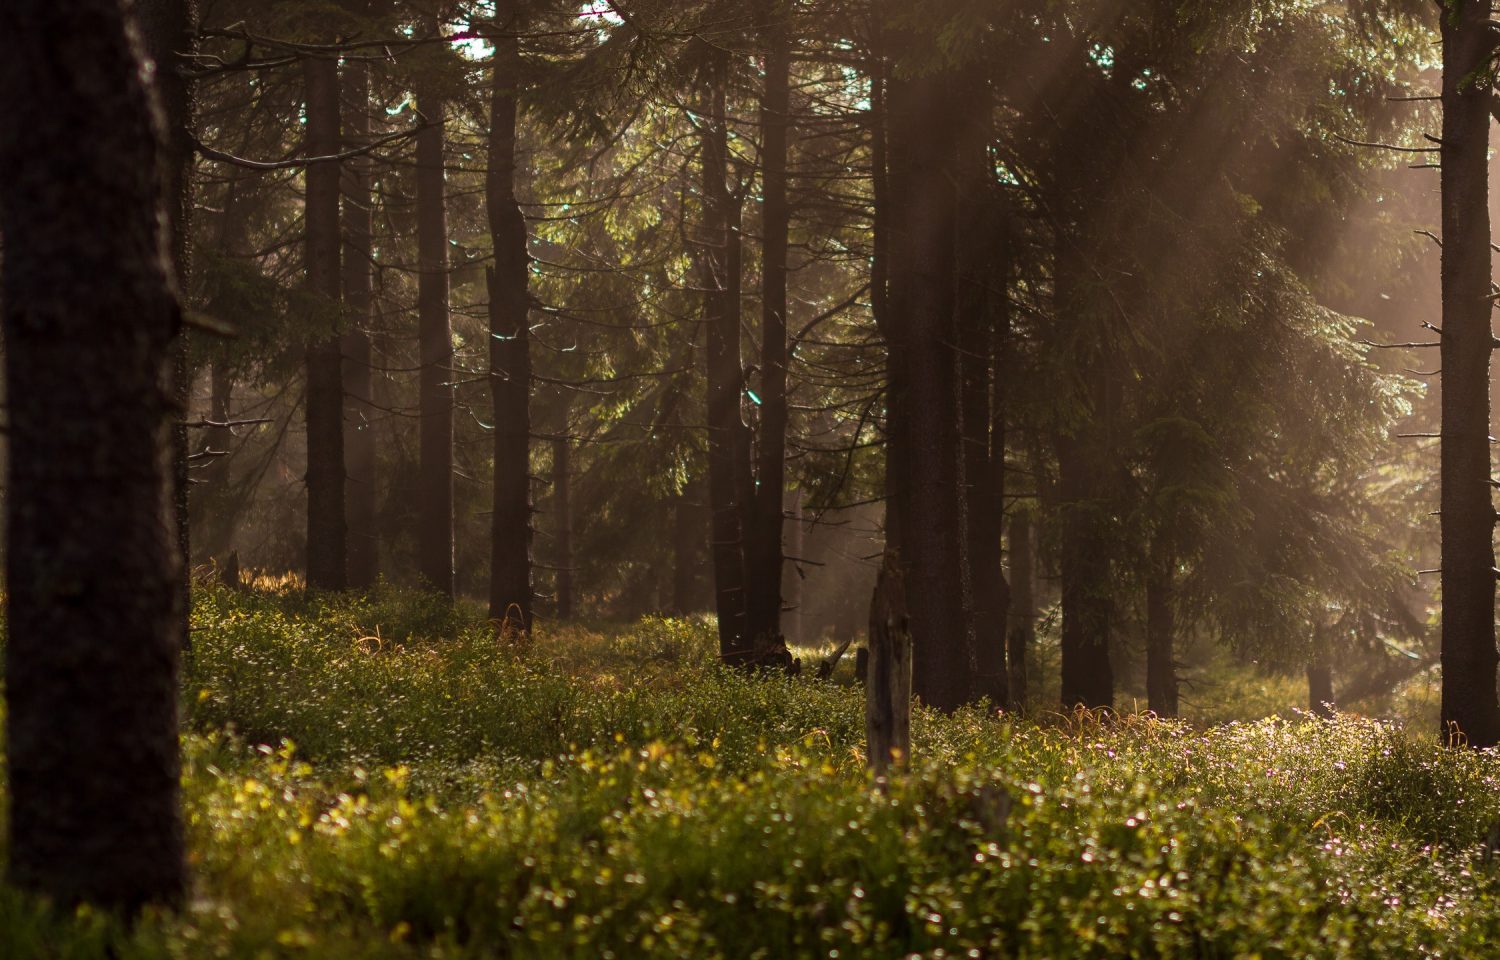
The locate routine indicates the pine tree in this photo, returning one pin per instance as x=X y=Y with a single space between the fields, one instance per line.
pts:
x=94 y=570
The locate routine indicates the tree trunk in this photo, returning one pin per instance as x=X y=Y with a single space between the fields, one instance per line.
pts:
x=562 y=508
x=923 y=122
x=1320 y=700
x=217 y=505
x=510 y=350
x=880 y=312
x=1084 y=525
x=979 y=268
x=888 y=683
x=793 y=587
x=327 y=548
x=435 y=334
x=358 y=355
x=94 y=568
x=1470 y=711
x=1161 y=628
x=767 y=526
x=170 y=31
x=1020 y=635
x=727 y=434
x=217 y=441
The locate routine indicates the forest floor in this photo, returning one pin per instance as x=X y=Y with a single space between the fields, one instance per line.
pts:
x=378 y=777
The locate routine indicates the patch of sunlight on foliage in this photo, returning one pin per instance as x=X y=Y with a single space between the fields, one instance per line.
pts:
x=611 y=792
x=1234 y=691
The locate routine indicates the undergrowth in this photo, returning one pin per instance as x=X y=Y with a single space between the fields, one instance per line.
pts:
x=383 y=777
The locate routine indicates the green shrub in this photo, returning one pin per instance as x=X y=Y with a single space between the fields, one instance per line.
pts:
x=451 y=795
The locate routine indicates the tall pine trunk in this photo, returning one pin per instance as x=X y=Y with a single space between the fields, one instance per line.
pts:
x=728 y=442
x=94 y=569
x=1469 y=708
x=358 y=354
x=327 y=548
x=1084 y=526
x=923 y=118
x=510 y=356
x=980 y=284
x=767 y=526
x=435 y=337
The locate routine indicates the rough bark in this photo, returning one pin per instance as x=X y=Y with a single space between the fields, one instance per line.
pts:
x=435 y=336
x=1469 y=707
x=358 y=354
x=922 y=123
x=510 y=354
x=1020 y=634
x=1161 y=629
x=327 y=546
x=94 y=568
x=728 y=443
x=888 y=682
x=766 y=528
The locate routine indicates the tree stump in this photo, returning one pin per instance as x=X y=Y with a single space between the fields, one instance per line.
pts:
x=888 y=682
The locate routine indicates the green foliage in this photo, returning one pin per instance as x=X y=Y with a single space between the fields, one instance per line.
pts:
x=400 y=676
x=614 y=794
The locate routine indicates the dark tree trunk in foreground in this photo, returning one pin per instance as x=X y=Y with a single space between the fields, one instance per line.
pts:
x=170 y=30
x=510 y=356
x=327 y=555
x=1020 y=634
x=94 y=612
x=1161 y=628
x=562 y=509
x=728 y=442
x=766 y=529
x=1469 y=709
x=924 y=116
x=1084 y=468
x=435 y=336
x=358 y=362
